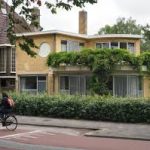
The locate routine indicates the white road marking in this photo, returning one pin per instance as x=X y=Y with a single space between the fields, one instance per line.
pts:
x=19 y=134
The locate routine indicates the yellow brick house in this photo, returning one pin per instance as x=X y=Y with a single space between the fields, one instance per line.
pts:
x=34 y=76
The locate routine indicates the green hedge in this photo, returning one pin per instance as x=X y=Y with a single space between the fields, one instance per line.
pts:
x=84 y=107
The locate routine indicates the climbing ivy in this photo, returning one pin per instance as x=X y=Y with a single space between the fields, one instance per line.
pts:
x=102 y=63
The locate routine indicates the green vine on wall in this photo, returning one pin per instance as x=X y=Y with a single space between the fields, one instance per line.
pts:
x=102 y=63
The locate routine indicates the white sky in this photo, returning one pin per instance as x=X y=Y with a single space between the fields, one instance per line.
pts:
x=104 y=12
x=100 y=14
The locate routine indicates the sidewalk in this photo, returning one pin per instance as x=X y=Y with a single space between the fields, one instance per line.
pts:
x=97 y=128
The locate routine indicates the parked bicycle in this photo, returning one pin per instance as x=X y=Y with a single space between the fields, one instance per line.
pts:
x=9 y=121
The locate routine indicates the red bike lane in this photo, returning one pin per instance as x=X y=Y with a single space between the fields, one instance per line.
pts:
x=40 y=137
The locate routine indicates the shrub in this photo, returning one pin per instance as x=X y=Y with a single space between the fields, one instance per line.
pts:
x=84 y=107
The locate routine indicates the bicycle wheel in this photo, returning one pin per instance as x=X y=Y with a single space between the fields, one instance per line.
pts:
x=11 y=122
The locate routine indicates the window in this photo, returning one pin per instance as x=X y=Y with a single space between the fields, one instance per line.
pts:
x=44 y=50
x=3 y=60
x=63 y=45
x=127 y=85
x=71 y=45
x=123 y=45
x=73 y=84
x=13 y=60
x=3 y=83
x=102 y=45
x=41 y=84
x=33 y=84
x=81 y=45
x=114 y=45
x=131 y=47
x=12 y=82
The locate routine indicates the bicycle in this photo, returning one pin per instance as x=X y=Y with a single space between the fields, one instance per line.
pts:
x=9 y=121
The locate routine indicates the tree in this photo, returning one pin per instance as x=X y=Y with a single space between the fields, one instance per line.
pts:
x=129 y=26
x=146 y=38
x=122 y=26
x=26 y=8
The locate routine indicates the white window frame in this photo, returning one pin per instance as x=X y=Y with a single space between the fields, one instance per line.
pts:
x=5 y=59
x=118 y=45
x=74 y=42
x=109 y=43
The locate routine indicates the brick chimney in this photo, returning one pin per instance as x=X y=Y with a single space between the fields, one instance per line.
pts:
x=36 y=14
x=82 y=22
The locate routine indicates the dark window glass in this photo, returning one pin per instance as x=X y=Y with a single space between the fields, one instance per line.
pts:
x=123 y=45
x=114 y=44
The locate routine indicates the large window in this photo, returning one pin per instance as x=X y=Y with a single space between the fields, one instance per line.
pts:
x=13 y=60
x=73 y=84
x=33 y=84
x=102 y=45
x=127 y=85
x=71 y=45
x=3 y=60
x=123 y=45
x=131 y=47
x=114 y=45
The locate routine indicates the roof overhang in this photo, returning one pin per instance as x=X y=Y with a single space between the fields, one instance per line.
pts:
x=79 y=35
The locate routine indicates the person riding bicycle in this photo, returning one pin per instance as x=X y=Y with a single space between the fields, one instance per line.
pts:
x=4 y=106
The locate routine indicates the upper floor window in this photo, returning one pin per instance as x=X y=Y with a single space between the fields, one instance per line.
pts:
x=63 y=45
x=3 y=60
x=102 y=45
x=131 y=47
x=114 y=45
x=71 y=45
x=123 y=45
x=13 y=60
x=44 y=50
x=81 y=45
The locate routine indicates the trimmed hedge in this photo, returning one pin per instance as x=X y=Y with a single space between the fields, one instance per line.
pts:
x=84 y=107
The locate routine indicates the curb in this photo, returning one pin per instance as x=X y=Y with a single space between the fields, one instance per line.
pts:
x=63 y=126
x=118 y=137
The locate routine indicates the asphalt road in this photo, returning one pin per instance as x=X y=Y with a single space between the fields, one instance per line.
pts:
x=46 y=138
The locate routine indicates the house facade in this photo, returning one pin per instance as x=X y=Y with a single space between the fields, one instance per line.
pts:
x=34 y=76
x=7 y=50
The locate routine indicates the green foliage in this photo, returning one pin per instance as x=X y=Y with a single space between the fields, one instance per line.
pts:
x=122 y=26
x=26 y=45
x=102 y=63
x=25 y=8
x=84 y=107
x=129 y=26
x=145 y=59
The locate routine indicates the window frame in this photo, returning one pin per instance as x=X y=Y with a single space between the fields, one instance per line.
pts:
x=68 y=91
x=127 y=76
x=4 y=60
x=13 y=60
x=37 y=83
x=110 y=42
x=79 y=44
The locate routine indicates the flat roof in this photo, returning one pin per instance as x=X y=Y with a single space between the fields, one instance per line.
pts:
x=79 y=35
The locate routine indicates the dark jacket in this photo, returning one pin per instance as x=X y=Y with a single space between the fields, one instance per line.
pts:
x=4 y=103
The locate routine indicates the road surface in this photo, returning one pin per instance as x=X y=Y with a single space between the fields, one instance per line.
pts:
x=46 y=138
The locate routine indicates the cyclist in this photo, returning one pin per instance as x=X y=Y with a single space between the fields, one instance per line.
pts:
x=4 y=107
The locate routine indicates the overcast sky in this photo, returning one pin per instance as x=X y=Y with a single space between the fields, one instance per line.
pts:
x=100 y=14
